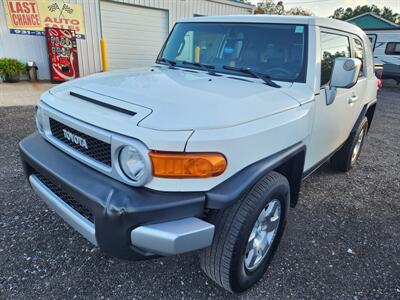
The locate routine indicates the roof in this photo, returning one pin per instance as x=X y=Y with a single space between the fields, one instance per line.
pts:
x=236 y=3
x=306 y=20
x=370 y=20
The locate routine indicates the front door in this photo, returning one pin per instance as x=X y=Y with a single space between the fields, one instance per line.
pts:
x=333 y=122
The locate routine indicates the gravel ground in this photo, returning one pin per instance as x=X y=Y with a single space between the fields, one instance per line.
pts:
x=341 y=242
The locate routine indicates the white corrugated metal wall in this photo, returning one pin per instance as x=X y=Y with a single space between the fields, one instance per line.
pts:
x=34 y=48
x=179 y=9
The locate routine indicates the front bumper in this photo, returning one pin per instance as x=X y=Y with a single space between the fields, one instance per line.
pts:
x=125 y=222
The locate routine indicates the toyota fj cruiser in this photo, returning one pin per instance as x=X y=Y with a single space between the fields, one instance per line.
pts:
x=206 y=149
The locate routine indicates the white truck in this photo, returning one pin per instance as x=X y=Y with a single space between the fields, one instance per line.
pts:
x=206 y=149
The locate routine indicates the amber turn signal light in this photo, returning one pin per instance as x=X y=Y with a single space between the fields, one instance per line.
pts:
x=187 y=165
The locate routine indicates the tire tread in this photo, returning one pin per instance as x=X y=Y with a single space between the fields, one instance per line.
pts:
x=216 y=259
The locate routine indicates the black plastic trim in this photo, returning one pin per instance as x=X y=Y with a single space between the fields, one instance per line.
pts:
x=234 y=188
x=370 y=113
x=106 y=105
x=117 y=207
x=364 y=113
x=360 y=118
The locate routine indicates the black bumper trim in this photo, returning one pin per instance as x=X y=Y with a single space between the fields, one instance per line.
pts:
x=117 y=208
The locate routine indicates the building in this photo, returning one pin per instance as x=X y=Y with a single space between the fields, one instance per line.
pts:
x=385 y=41
x=371 y=21
x=133 y=30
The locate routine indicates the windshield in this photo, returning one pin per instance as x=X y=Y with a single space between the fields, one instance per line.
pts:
x=276 y=50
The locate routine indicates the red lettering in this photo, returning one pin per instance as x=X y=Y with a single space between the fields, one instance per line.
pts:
x=25 y=7
x=25 y=20
x=14 y=19
x=12 y=9
x=55 y=20
x=22 y=7
x=33 y=7
x=24 y=13
x=74 y=22
x=18 y=7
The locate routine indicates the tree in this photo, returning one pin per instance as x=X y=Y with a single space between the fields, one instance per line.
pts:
x=386 y=12
x=298 y=11
x=269 y=7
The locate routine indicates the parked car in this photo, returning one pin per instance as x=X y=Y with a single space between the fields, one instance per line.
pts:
x=206 y=150
x=386 y=48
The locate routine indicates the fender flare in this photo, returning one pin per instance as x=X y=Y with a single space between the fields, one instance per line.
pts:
x=235 y=187
x=368 y=110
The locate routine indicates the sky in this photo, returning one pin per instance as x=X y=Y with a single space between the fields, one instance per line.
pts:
x=325 y=8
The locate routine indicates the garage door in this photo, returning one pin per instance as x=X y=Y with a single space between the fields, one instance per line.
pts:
x=134 y=35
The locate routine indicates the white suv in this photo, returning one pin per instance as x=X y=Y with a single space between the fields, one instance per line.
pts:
x=205 y=150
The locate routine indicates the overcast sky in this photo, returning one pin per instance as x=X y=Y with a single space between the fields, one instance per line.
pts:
x=325 y=8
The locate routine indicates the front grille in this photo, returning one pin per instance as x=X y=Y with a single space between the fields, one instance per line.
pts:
x=96 y=149
x=67 y=198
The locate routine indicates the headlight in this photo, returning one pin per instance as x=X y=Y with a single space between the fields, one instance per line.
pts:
x=134 y=165
x=39 y=119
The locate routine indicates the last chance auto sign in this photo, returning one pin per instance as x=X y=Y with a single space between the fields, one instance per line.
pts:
x=31 y=17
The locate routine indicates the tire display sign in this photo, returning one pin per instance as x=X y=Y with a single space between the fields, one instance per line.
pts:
x=31 y=17
x=63 y=54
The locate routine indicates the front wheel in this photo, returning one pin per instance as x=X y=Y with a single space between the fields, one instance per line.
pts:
x=247 y=235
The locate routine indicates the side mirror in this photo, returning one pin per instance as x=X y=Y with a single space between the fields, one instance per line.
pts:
x=344 y=75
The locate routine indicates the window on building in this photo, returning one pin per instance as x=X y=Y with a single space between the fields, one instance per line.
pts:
x=392 y=48
x=359 y=52
x=332 y=45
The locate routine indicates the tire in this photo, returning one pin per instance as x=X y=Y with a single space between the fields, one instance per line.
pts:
x=225 y=260
x=345 y=159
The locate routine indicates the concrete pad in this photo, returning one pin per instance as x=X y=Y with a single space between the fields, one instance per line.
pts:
x=22 y=93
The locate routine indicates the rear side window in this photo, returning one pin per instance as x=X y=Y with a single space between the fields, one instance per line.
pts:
x=332 y=45
x=359 y=52
x=392 y=48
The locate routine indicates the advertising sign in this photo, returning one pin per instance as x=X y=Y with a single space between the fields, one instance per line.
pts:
x=31 y=17
x=63 y=54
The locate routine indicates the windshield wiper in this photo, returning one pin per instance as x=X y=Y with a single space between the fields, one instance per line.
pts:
x=171 y=63
x=265 y=77
x=208 y=68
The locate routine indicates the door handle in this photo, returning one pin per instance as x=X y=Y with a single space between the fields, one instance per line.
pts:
x=353 y=99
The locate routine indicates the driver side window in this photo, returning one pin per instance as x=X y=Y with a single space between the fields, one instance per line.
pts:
x=332 y=45
x=359 y=53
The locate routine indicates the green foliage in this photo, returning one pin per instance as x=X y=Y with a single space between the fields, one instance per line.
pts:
x=298 y=11
x=10 y=67
x=269 y=7
x=327 y=62
x=385 y=12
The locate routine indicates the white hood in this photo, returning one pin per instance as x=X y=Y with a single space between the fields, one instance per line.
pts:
x=184 y=100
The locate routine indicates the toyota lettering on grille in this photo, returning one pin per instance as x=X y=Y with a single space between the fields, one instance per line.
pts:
x=76 y=139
